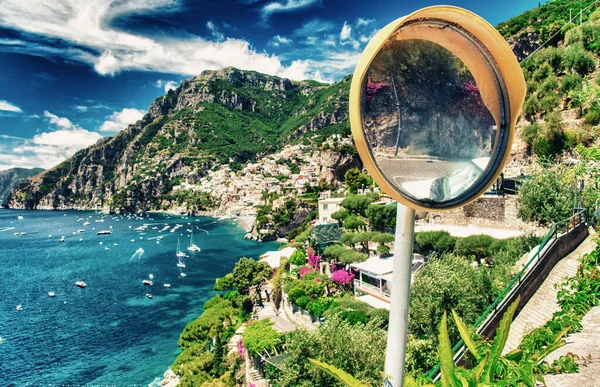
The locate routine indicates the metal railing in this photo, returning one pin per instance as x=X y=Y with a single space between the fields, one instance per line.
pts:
x=557 y=229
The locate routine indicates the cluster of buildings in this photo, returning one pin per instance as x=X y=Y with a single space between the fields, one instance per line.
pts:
x=241 y=192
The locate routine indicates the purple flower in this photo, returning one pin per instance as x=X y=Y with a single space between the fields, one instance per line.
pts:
x=313 y=260
x=304 y=270
x=342 y=277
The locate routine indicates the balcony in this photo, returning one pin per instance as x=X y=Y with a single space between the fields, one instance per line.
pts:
x=371 y=290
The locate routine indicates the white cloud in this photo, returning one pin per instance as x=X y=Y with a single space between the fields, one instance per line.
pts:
x=99 y=43
x=45 y=149
x=9 y=107
x=167 y=85
x=214 y=31
x=278 y=40
x=120 y=120
x=314 y=27
x=364 y=22
x=81 y=108
x=74 y=138
x=60 y=122
x=285 y=6
x=346 y=32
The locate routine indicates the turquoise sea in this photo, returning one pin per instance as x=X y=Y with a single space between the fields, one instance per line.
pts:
x=108 y=333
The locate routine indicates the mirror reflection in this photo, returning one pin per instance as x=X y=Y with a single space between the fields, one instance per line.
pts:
x=425 y=120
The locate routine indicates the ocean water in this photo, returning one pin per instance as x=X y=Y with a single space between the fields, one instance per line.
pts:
x=108 y=333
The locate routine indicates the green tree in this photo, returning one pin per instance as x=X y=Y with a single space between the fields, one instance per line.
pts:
x=354 y=348
x=546 y=197
x=298 y=257
x=353 y=222
x=355 y=179
x=358 y=204
x=248 y=272
x=260 y=336
x=474 y=246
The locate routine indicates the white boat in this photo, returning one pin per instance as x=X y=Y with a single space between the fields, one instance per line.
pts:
x=80 y=231
x=80 y=239
x=179 y=253
x=81 y=284
x=133 y=241
x=16 y=234
x=19 y=307
x=49 y=235
x=149 y=295
x=167 y=285
x=182 y=274
x=62 y=239
x=147 y=282
x=192 y=247
x=51 y=294
x=151 y=276
x=104 y=232
x=86 y=223
x=180 y=264
x=99 y=220
x=20 y=217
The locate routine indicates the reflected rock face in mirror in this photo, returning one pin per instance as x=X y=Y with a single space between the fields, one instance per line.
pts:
x=425 y=121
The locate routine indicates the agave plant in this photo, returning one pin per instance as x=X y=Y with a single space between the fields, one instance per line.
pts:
x=517 y=368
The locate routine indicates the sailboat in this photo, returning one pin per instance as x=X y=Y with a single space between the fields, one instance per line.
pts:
x=193 y=248
x=179 y=253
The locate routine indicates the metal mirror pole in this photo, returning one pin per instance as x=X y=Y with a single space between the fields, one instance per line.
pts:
x=398 y=325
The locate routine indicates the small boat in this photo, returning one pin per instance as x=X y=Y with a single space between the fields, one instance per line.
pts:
x=104 y=232
x=179 y=253
x=49 y=235
x=23 y=233
x=80 y=239
x=116 y=244
x=99 y=221
x=51 y=294
x=180 y=264
x=100 y=243
x=80 y=231
x=62 y=239
x=149 y=295
x=106 y=248
x=16 y=234
x=147 y=282
x=81 y=284
x=20 y=217
x=182 y=274
x=86 y=223
x=192 y=247
x=141 y=228
x=19 y=307
x=167 y=285
x=133 y=241
x=151 y=276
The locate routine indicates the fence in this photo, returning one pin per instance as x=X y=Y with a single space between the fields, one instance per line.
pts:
x=562 y=238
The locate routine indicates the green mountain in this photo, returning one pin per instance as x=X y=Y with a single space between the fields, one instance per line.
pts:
x=220 y=117
x=11 y=177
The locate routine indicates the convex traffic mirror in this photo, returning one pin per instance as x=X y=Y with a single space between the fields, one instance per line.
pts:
x=433 y=104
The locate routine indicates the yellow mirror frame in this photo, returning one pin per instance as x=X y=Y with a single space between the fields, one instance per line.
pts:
x=501 y=54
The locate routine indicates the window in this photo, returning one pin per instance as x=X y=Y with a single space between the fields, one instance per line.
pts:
x=325 y=207
x=325 y=219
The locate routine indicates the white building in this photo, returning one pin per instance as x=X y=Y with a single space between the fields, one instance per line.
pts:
x=328 y=207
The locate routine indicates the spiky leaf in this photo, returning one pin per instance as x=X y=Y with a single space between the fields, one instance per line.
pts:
x=445 y=353
x=466 y=335
x=338 y=374
x=499 y=342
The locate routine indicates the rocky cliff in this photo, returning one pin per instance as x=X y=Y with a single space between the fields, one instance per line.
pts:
x=11 y=177
x=220 y=117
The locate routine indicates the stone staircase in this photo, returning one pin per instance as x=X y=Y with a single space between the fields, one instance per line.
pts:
x=543 y=304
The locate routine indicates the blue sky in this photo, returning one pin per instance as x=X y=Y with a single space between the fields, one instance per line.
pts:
x=73 y=71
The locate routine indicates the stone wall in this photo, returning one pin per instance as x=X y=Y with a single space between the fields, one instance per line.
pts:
x=487 y=211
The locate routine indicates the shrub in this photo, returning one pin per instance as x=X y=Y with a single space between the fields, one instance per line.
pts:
x=383 y=250
x=592 y=117
x=298 y=258
x=548 y=86
x=530 y=133
x=260 y=336
x=319 y=306
x=354 y=317
x=295 y=293
x=474 y=246
x=531 y=107
x=542 y=73
x=579 y=60
x=304 y=270
x=549 y=103
x=571 y=82
x=440 y=241
x=302 y=301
